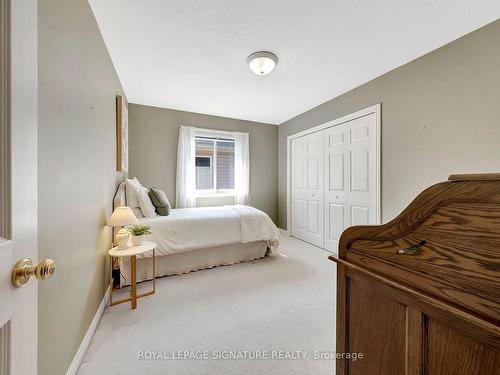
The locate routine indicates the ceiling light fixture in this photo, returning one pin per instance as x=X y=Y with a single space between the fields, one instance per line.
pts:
x=262 y=62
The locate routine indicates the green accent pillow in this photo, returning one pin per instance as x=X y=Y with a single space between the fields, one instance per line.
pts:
x=160 y=201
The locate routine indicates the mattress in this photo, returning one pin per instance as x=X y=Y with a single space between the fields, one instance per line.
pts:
x=189 y=229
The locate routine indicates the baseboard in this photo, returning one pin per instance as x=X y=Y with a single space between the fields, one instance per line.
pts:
x=284 y=232
x=77 y=360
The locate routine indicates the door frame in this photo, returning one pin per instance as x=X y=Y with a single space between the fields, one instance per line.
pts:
x=5 y=210
x=375 y=109
x=5 y=120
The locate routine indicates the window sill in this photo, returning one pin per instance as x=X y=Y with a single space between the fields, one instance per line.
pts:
x=215 y=194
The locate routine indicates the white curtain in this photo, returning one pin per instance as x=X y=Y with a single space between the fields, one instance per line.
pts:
x=186 y=166
x=185 y=192
x=242 y=169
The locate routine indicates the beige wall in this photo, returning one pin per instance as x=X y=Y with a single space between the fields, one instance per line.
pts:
x=440 y=115
x=77 y=178
x=154 y=132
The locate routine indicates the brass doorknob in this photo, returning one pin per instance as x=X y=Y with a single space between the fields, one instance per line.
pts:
x=24 y=269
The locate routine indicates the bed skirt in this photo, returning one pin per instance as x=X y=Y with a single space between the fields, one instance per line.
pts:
x=176 y=264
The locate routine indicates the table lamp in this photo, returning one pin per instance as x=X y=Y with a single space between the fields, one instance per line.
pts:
x=122 y=216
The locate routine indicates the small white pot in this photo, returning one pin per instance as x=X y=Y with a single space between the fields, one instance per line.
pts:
x=137 y=240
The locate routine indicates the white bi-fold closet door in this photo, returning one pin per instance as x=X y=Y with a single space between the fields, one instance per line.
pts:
x=307 y=188
x=334 y=180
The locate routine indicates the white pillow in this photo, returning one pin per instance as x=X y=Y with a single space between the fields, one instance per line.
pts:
x=132 y=187
x=145 y=203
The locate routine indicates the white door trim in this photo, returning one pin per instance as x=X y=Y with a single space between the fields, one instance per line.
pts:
x=376 y=109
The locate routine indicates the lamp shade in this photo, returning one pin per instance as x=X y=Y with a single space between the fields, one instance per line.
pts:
x=121 y=217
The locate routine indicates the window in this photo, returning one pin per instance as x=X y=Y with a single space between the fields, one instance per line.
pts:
x=218 y=165
x=204 y=173
x=214 y=161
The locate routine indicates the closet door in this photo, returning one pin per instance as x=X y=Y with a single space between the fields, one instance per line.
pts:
x=349 y=177
x=299 y=201
x=362 y=170
x=307 y=188
x=336 y=182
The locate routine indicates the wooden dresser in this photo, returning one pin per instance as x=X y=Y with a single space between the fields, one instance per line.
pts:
x=421 y=294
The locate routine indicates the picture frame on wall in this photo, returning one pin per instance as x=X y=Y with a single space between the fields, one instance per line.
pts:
x=121 y=135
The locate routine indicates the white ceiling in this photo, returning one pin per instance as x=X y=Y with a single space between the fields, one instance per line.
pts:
x=191 y=54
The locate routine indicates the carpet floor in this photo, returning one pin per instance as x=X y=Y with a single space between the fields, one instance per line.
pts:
x=271 y=316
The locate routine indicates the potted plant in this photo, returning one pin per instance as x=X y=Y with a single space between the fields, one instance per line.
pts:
x=138 y=231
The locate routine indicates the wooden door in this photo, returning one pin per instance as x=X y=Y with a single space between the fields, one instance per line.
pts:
x=399 y=333
x=307 y=188
x=373 y=325
x=447 y=350
x=18 y=183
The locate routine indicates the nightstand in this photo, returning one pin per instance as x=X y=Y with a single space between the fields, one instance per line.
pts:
x=132 y=252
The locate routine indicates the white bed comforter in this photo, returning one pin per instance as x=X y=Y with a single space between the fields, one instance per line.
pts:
x=188 y=229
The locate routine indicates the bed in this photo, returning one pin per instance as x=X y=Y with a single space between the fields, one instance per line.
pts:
x=191 y=239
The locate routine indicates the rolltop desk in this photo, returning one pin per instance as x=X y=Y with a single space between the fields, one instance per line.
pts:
x=421 y=294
